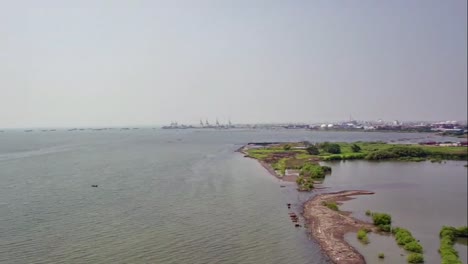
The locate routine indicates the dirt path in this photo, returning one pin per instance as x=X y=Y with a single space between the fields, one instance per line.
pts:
x=328 y=227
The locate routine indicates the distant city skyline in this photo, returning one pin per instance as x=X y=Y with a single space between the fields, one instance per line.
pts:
x=147 y=63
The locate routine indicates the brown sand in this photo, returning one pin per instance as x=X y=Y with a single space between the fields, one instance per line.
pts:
x=328 y=227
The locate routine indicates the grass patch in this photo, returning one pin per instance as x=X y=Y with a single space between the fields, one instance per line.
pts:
x=331 y=205
x=280 y=166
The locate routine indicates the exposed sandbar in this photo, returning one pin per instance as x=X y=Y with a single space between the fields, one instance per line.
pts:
x=328 y=227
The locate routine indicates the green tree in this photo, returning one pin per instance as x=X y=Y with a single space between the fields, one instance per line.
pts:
x=381 y=219
x=312 y=150
x=332 y=148
x=355 y=148
x=287 y=147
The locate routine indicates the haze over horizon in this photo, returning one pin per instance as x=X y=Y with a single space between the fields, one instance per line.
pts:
x=152 y=62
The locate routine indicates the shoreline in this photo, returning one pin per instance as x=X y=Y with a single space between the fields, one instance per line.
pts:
x=328 y=227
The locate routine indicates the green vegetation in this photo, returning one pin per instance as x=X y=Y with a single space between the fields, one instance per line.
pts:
x=304 y=157
x=312 y=150
x=381 y=219
x=397 y=152
x=331 y=148
x=361 y=150
x=304 y=183
x=362 y=236
x=415 y=258
x=403 y=236
x=314 y=171
x=331 y=205
x=280 y=166
x=413 y=246
x=355 y=148
x=448 y=235
x=381 y=255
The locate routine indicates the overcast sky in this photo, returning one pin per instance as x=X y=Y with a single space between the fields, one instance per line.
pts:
x=106 y=63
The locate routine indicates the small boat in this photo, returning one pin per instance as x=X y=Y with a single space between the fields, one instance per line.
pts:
x=94 y=185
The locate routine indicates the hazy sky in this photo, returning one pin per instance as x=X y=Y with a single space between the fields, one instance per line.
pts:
x=100 y=63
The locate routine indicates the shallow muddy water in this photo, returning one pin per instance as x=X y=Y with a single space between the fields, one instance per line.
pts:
x=420 y=196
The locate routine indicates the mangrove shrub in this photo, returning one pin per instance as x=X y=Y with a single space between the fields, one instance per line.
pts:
x=381 y=219
x=415 y=258
x=414 y=246
x=355 y=148
x=313 y=170
x=397 y=152
x=331 y=148
x=362 y=236
x=312 y=150
x=448 y=235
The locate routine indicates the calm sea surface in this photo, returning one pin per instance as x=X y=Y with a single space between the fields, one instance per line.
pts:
x=164 y=196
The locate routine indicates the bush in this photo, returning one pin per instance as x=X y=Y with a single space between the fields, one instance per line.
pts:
x=381 y=255
x=362 y=236
x=415 y=258
x=406 y=239
x=287 y=147
x=462 y=231
x=280 y=166
x=355 y=148
x=326 y=169
x=448 y=235
x=333 y=148
x=332 y=157
x=404 y=152
x=414 y=246
x=385 y=228
x=380 y=155
x=313 y=170
x=312 y=150
x=368 y=212
x=353 y=156
x=304 y=184
x=403 y=236
x=381 y=219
